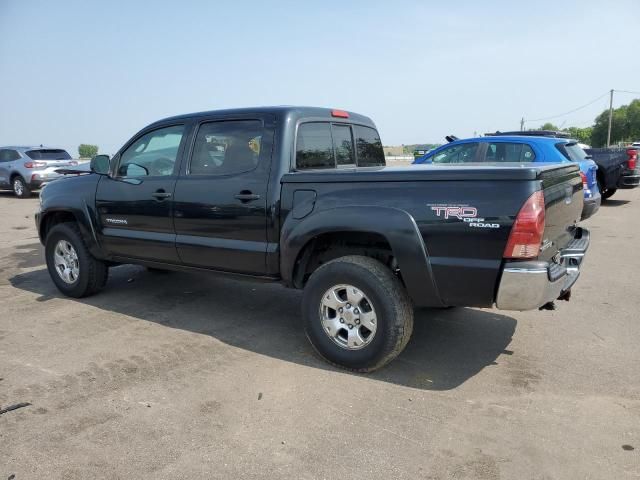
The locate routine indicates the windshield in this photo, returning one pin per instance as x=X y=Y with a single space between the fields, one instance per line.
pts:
x=48 y=154
x=572 y=151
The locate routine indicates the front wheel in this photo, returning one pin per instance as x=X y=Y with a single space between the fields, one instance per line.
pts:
x=72 y=268
x=357 y=314
x=20 y=188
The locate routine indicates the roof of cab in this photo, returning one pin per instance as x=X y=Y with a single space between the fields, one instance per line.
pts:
x=293 y=112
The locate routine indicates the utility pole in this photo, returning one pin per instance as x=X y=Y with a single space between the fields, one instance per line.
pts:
x=522 y=124
x=610 y=118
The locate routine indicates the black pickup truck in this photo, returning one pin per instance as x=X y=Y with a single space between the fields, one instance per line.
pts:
x=301 y=196
x=618 y=167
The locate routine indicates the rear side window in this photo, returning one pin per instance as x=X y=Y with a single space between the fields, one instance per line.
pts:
x=327 y=145
x=369 y=147
x=8 y=155
x=461 y=153
x=509 y=152
x=48 y=154
x=572 y=151
x=226 y=147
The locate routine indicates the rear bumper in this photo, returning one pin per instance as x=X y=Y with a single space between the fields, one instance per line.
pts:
x=629 y=179
x=591 y=206
x=40 y=178
x=530 y=285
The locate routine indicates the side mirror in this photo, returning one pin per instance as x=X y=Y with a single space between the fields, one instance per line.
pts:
x=133 y=170
x=100 y=164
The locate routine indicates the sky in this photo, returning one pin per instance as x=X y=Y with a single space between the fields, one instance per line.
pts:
x=96 y=72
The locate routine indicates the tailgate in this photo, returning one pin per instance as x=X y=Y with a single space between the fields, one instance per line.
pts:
x=563 y=199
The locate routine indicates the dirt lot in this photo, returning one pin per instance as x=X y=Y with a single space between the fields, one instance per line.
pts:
x=182 y=376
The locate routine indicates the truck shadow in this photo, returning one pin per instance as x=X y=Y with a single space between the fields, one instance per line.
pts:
x=447 y=348
x=614 y=203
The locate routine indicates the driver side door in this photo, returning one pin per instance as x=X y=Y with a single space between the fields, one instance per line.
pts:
x=135 y=202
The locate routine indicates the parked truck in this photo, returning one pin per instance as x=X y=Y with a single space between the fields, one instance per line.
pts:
x=301 y=196
x=617 y=168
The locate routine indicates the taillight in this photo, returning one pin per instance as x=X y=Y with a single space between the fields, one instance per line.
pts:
x=633 y=158
x=339 y=113
x=34 y=164
x=585 y=185
x=526 y=234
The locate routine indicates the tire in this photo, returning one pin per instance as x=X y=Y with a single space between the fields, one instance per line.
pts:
x=604 y=191
x=385 y=300
x=91 y=274
x=608 y=193
x=20 y=187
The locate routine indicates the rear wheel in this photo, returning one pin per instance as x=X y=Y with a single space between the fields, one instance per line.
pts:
x=608 y=193
x=357 y=314
x=20 y=187
x=604 y=191
x=72 y=268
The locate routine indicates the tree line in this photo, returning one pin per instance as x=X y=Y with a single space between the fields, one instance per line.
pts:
x=87 y=151
x=625 y=127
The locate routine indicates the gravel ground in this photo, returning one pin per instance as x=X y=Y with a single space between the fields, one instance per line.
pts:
x=189 y=376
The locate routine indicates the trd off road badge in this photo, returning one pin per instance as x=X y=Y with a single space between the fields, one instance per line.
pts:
x=466 y=213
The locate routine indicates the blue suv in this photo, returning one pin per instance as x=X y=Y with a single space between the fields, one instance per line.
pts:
x=524 y=147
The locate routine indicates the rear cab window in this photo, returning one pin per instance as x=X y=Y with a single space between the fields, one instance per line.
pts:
x=48 y=154
x=322 y=145
x=368 y=147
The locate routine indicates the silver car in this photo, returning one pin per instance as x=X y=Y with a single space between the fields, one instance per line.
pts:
x=23 y=169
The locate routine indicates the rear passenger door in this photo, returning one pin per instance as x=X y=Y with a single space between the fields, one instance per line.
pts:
x=220 y=201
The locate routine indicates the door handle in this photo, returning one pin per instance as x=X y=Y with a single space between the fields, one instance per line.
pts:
x=160 y=195
x=247 y=196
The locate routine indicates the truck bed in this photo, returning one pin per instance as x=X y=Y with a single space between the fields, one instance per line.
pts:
x=464 y=261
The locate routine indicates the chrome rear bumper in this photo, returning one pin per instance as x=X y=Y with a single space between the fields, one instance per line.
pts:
x=529 y=285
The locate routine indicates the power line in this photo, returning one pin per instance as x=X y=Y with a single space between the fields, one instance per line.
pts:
x=627 y=91
x=570 y=111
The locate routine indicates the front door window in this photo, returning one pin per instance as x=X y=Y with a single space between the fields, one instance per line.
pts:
x=154 y=154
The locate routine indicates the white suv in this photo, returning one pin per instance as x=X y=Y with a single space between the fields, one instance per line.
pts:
x=23 y=169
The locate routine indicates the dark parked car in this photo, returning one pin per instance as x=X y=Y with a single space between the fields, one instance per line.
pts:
x=301 y=196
